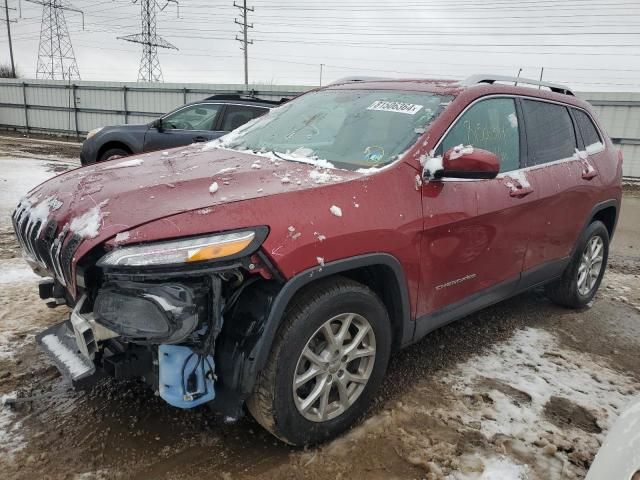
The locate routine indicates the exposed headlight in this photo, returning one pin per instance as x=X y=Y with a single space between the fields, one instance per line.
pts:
x=180 y=251
x=93 y=132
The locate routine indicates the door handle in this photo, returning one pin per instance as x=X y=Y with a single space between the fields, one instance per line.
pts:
x=519 y=191
x=589 y=173
x=200 y=138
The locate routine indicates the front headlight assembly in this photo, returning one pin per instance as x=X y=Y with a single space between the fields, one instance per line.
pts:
x=192 y=250
x=93 y=132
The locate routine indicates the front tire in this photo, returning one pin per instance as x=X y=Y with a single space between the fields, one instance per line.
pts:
x=113 y=153
x=580 y=281
x=326 y=364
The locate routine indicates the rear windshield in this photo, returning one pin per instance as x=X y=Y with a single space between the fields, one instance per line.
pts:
x=350 y=128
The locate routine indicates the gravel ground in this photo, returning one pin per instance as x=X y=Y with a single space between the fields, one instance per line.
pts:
x=524 y=389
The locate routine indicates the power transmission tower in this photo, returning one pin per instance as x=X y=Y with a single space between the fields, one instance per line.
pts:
x=149 y=70
x=244 y=40
x=6 y=12
x=56 y=59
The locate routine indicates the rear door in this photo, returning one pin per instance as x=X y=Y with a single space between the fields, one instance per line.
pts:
x=235 y=116
x=476 y=231
x=564 y=181
x=187 y=125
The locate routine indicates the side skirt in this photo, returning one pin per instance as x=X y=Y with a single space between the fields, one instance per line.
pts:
x=534 y=277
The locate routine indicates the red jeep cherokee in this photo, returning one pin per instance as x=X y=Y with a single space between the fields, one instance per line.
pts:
x=280 y=266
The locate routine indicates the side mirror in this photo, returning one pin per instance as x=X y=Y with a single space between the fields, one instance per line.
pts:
x=467 y=162
x=157 y=124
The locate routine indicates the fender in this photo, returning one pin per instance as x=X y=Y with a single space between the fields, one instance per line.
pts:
x=257 y=359
x=594 y=211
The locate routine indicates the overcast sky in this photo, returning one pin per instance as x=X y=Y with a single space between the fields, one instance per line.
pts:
x=589 y=44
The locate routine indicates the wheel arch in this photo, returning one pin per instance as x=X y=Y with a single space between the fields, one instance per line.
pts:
x=113 y=144
x=381 y=272
x=607 y=212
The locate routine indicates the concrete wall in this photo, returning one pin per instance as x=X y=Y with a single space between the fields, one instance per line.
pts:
x=54 y=106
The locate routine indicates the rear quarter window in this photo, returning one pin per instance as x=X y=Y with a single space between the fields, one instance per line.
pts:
x=588 y=130
x=550 y=132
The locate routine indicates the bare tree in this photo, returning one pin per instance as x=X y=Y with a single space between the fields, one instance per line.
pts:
x=5 y=71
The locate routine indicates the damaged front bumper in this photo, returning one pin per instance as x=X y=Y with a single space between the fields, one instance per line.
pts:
x=73 y=344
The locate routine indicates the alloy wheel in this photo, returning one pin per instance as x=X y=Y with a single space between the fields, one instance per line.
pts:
x=591 y=264
x=334 y=367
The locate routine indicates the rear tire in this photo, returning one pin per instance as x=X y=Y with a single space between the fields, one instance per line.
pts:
x=580 y=281
x=113 y=153
x=306 y=398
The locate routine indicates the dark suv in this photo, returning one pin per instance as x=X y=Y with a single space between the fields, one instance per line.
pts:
x=280 y=266
x=192 y=123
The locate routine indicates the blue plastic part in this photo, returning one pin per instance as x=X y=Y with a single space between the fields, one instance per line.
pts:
x=175 y=364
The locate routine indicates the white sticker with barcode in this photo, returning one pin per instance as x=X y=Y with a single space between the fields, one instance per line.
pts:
x=398 y=107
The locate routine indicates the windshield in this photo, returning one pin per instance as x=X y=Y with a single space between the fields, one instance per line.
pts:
x=350 y=128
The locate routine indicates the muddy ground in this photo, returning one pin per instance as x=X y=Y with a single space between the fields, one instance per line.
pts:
x=524 y=389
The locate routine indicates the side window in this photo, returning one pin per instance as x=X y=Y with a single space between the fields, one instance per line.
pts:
x=237 y=115
x=589 y=132
x=550 y=133
x=194 y=117
x=490 y=125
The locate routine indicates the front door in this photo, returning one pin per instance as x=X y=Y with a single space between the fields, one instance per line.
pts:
x=476 y=231
x=191 y=124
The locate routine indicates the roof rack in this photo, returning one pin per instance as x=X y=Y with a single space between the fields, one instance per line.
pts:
x=246 y=97
x=491 y=79
x=357 y=79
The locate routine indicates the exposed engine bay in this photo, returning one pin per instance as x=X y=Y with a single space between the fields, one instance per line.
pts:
x=165 y=329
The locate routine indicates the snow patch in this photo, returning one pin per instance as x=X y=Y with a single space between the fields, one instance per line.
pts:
x=431 y=164
x=88 y=224
x=532 y=367
x=16 y=274
x=320 y=261
x=135 y=162
x=256 y=166
x=513 y=120
x=319 y=176
x=213 y=188
x=335 y=210
x=11 y=439
x=122 y=237
x=460 y=151
x=285 y=179
x=226 y=170
x=71 y=361
x=520 y=177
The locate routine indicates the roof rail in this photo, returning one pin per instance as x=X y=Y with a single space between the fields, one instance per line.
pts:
x=357 y=79
x=246 y=97
x=484 y=78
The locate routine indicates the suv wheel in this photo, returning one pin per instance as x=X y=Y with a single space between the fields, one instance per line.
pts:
x=113 y=153
x=328 y=360
x=581 y=279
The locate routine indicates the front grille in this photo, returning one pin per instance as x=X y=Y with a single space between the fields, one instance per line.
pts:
x=43 y=244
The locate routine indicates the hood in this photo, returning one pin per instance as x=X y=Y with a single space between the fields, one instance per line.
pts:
x=99 y=201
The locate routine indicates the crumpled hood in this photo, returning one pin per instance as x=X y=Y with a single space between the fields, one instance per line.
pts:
x=100 y=201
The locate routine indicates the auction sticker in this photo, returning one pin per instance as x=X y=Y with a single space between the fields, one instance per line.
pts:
x=398 y=107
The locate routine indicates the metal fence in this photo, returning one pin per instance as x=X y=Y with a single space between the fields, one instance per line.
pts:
x=75 y=108
x=51 y=106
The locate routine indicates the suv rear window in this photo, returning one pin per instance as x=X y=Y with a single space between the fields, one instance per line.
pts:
x=237 y=115
x=550 y=132
x=589 y=132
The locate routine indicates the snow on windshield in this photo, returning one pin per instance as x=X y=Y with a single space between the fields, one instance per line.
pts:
x=352 y=129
